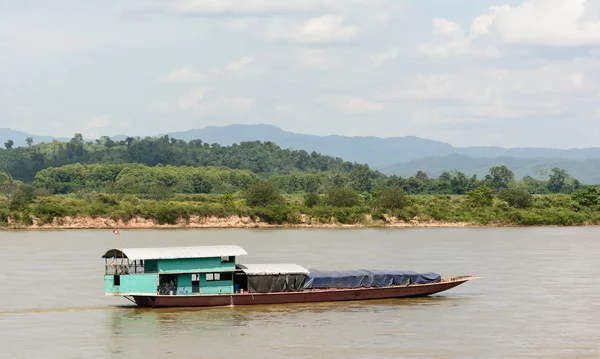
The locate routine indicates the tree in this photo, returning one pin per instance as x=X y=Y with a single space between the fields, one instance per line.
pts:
x=199 y=184
x=499 y=177
x=421 y=176
x=516 y=197
x=588 y=197
x=159 y=192
x=311 y=200
x=75 y=146
x=18 y=195
x=9 y=144
x=445 y=176
x=29 y=141
x=460 y=183
x=412 y=185
x=557 y=180
x=361 y=178
x=4 y=178
x=480 y=197
x=535 y=186
x=130 y=140
x=226 y=199
x=392 y=197
x=263 y=193
x=394 y=181
x=342 y=197
x=107 y=142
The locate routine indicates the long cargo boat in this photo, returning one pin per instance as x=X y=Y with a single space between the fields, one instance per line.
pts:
x=205 y=276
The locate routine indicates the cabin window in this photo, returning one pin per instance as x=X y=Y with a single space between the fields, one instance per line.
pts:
x=117 y=280
x=212 y=276
x=195 y=283
x=226 y=259
x=218 y=276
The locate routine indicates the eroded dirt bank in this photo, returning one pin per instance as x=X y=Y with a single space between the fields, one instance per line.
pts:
x=216 y=222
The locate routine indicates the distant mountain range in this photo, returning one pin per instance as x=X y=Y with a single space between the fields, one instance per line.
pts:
x=19 y=137
x=395 y=155
x=587 y=171
x=375 y=151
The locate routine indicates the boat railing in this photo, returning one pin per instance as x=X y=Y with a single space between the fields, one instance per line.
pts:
x=120 y=269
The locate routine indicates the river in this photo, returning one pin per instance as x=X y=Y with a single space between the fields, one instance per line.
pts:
x=539 y=298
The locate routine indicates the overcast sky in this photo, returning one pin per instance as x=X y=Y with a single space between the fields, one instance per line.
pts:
x=468 y=72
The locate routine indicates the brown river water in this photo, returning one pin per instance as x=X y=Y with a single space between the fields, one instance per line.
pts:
x=539 y=298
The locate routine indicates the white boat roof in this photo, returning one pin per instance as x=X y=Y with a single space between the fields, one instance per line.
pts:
x=272 y=269
x=175 y=252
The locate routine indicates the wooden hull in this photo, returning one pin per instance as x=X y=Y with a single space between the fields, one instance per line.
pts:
x=307 y=296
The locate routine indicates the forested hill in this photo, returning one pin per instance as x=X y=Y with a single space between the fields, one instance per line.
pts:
x=263 y=158
x=374 y=151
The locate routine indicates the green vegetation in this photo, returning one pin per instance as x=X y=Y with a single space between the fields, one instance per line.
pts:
x=169 y=181
x=23 y=163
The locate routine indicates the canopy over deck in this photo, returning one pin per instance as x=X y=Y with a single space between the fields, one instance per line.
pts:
x=175 y=252
x=270 y=278
x=272 y=269
x=366 y=278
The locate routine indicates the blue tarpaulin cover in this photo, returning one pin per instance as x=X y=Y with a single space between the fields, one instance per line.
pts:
x=366 y=278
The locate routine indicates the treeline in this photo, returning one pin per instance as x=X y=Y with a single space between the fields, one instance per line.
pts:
x=264 y=158
x=160 y=180
x=292 y=171
x=24 y=204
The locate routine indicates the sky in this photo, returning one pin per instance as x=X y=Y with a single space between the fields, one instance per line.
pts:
x=513 y=73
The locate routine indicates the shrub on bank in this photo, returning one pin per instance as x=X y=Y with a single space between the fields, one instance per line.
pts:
x=545 y=210
x=516 y=197
x=276 y=214
x=350 y=215
x=322 y=213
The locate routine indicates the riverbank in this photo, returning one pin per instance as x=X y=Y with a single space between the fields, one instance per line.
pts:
x=240 y=222
x=102 y=211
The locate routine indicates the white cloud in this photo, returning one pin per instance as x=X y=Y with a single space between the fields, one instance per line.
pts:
x=185 y=74
x=388 y=55
x=239 y=102
x=285 y=108
x=189 y=75
x=26 y=111
x=376 y=9
x=98 y=122
x=481 y=24
x=315 y=58
x=450 y=40
x=55 y=125
x=317 y=30
x=357 y=104
x=352 y=104
x=239 y=64
x=216 y=7
x=543 y=22
x=242 y=23
x=552 y=88
x=191 y=99
x=534 y=22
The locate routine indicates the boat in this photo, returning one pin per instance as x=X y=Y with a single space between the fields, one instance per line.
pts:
x=205 y=276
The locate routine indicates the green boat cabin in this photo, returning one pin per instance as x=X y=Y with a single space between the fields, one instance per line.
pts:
x=197 y=270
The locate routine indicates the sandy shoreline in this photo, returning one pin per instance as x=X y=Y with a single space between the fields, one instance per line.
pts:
x=236 y=222
x=233 y=222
